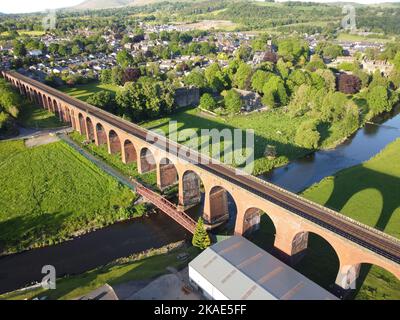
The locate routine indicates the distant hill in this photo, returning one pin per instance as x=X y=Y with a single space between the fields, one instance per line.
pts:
x=105 y=4
x=101 y=4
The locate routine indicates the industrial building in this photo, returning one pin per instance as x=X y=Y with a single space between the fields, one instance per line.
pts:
x=236 y=269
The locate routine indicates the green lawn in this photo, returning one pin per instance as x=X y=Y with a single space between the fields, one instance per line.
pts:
x=83 y=92
x=114 y=273
x=32 y=33
x=274 y=127
x=50 y=193
x=33 y=116
x=368 y=193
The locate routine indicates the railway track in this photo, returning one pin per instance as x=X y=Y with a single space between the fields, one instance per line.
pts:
x=354 y=231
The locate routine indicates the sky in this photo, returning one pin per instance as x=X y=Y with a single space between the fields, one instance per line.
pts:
x=23 y=6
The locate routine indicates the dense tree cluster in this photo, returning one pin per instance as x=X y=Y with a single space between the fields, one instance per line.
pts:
x=10 y=104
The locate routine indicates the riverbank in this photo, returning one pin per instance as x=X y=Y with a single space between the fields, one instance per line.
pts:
x=142 y=266
x=368 y=193
x=367 y=142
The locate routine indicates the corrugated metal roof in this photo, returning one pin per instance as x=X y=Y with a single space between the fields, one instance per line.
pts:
x=241 y=270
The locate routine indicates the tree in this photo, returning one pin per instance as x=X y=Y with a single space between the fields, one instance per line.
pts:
x=395 y=79
x=329 y=50
x=333 y=106
x=378 y=100
x=349 y=84
x=297 y=78
x=195 y=78
x=130 y=74
x=124 y=59
x=315 y=63
x=117 y=75
x=378 y=80
x=307 y=135
x=300 y=102
x=106 y=76
x=242 y=76
x=201 y=238
x=292 y=49
x=282 y=69
x=329 y=78
x=396 y=61
x=275 y=92
x=207 y=102
x=102 y=99
x=233 y=101
x=363 y=76
x=217 y=80
x=19 y=49
x=259 y=79
x=75 y=50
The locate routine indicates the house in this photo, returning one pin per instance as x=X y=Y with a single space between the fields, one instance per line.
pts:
x=236 y=269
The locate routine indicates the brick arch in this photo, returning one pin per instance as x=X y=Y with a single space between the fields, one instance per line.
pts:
x=66 y=113
x=101 y=134
x=221 y=203
x=50 y=104
x=56 y=107
x=72 y=118
x=36 y=97
x=352 y=275
x=90 y=133
x=114 y=142
x=129 y=154
x=190 y=185
x=82 y=124
x=252 y=219
x=147 y=160
x=167 y=173
x=300 y=244
x=40 y=97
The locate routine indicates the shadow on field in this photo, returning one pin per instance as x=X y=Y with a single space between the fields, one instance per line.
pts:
x=386 y=186
x=189 y=121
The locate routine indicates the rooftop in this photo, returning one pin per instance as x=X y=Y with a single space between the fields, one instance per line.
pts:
x=240 y=270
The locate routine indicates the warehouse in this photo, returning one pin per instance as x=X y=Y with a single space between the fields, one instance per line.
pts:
x=236 y=269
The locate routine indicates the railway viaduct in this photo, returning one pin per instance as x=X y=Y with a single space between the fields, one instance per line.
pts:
x=294 y=218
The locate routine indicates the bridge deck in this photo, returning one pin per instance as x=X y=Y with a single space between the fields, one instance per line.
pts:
x=352 y=230
x=167 y=207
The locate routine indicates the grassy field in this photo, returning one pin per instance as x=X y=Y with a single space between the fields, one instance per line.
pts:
x=50 y=193
x=113 y=274
x=129 y=170
x=273 y=127
x=368 y=193
x=355 y=37
x=33 y=116
x=83 y=92
x=32 y=33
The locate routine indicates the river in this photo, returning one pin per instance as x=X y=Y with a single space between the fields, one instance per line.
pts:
x=364 y=144
x=90 y=251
